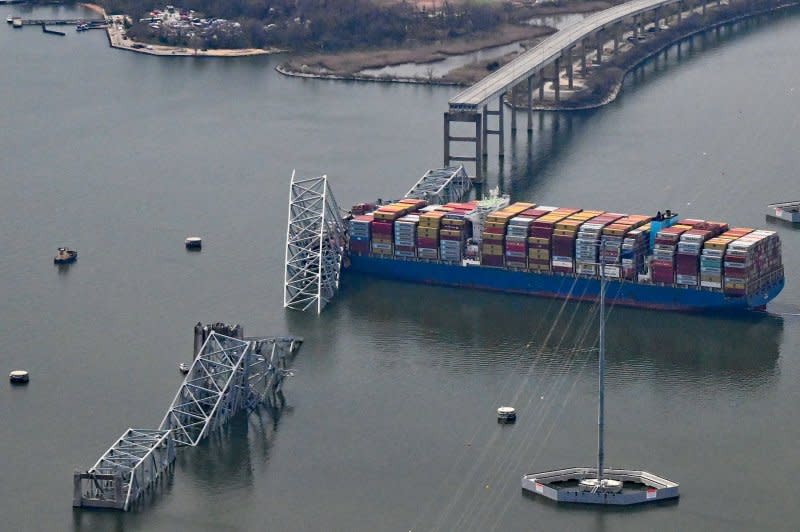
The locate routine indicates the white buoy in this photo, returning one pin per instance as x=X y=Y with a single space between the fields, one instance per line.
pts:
x=194 y=242
x=506 y=414
x=19 y=376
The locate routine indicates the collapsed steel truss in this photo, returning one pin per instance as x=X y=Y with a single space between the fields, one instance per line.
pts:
x=227 y=375
x=120 y=476
x=442 y=185
x=211 y=392
x=315 y=241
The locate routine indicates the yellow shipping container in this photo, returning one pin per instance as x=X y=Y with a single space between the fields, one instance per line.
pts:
x=496 y=225
x=489 y=249
x=492 y=236
x=451 y=232
x=538 y=254
x=563 y=232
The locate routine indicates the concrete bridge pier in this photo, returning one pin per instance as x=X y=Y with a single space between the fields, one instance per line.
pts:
x=514 y=109
x=541 y=85
x=570 y=84
x=599 y=43
x=583 y=57
x=557 y=78
x=468 y=117
x=680 y=12
x=500 y=127
x=529 y=94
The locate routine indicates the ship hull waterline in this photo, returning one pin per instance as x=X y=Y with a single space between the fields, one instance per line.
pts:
x=560 y=286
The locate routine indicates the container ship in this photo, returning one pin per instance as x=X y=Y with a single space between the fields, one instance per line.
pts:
x=660 y=262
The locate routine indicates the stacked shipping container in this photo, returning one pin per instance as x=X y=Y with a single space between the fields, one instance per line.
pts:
x=713 y=256
x=587 y=243
x=493 y=238
x=751 y=262
x=691 y=253
x=612 y=241
x=662 y=267
x=538 y=246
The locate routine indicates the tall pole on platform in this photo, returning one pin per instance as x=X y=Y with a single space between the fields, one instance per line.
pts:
x=601 y=364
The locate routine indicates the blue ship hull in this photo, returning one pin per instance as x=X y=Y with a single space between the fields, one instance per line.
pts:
x=562 y=286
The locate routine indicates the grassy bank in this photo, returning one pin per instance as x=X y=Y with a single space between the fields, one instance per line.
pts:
x=347 y=65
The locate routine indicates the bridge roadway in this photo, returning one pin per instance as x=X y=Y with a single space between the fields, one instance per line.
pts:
x=545 y=62
x=547 y=51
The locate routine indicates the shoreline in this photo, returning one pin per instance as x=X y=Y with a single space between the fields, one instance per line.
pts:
x=118 y=39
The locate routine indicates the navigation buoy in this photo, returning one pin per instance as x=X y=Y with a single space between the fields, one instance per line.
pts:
x=506 y=414
x=194 y=242
x=19 y=376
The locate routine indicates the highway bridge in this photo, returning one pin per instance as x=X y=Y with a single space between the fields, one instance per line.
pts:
x=554 y=60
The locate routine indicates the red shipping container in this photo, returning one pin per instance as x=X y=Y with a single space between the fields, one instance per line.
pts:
x=427 y=242
x=379 y=227
x=687 y=264
x=492 y=260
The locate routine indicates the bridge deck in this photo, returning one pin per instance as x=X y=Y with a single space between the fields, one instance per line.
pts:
x=545 y=53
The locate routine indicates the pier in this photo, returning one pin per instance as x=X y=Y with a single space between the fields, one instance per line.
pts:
x=52 y=32
x=552 y=67
x=228 y=375
x=57 y=21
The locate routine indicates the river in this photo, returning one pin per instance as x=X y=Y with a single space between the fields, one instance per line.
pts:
x=389 y=423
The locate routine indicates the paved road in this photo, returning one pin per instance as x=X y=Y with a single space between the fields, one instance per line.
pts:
x=546 y=53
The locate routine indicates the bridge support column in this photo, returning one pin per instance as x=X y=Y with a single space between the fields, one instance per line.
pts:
x=680 y=12
x=513 y=111
x=541 y=85
x=485 y=132
x=599 y=54
x=469 y=117
x=570 y=84
x=704 y=7
x=557 y=79
x=530 y=104
x=583 y=57
x=446 y=139
x=616 y=33
x=500 y=126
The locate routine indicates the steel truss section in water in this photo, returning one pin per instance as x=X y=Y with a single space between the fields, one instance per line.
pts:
x=214 y=389
x=315 y=241
x=442 y=185
x=227 y=375
x=135 y=461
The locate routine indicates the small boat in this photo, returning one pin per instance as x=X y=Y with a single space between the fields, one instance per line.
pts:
x=9 y=19
x=193 y=242
x=19 y=376
x=506 y=414
x=183 y=367
x=65 y=256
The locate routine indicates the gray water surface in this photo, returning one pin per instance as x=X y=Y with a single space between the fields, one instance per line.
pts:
x=389 y=423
